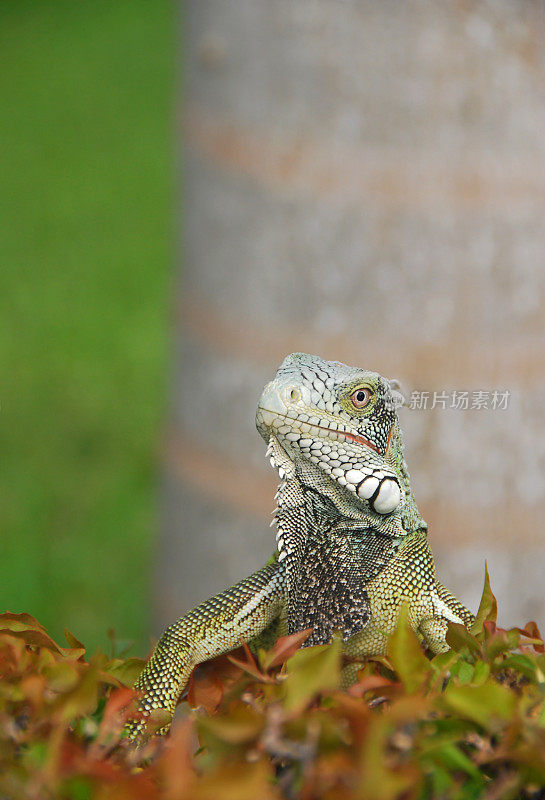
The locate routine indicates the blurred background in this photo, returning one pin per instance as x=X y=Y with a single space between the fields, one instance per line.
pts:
x=365 y=181
x=86 y=276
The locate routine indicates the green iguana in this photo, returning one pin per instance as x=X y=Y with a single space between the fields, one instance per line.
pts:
x=351 y=544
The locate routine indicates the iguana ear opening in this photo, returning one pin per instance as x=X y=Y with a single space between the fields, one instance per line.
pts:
x=397 y=396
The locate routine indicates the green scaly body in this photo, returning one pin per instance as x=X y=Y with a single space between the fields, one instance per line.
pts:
x=351 y=545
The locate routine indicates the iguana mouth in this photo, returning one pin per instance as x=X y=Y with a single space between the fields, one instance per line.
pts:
x=355 y=437
x=351 y=437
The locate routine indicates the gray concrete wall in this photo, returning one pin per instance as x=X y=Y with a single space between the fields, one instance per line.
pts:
x=366 y=181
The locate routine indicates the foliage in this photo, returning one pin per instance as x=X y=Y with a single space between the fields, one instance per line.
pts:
x=469 y=723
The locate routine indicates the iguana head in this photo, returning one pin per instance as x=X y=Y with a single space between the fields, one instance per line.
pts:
x=335 y=427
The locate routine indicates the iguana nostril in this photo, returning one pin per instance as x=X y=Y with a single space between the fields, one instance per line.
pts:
x=294 y=394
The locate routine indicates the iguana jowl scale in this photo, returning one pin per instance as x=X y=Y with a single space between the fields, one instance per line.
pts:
x=351 y=545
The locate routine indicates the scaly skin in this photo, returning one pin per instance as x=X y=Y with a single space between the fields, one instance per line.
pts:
x=351 y=545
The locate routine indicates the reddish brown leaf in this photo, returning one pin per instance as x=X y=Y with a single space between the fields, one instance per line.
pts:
x=285 y=647
x=205 y=689
x=8 y=620
x=251 y=668
x=118 y=705
x=224 y=668
x=490 y=626
x=531 y=631
x=36 y=638
x=176 y=765
x=72 y=641
x=368 y=683
x=249 y=655
x=33 y=688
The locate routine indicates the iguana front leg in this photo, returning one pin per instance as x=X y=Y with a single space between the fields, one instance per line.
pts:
x=408 y=580
x=446 y=608
x=218 y=625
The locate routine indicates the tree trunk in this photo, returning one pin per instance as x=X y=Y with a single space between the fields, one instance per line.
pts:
x=365 y=181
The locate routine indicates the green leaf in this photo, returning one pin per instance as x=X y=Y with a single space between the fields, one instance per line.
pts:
x=453 y=758
x=440 y=781
x=310 y=671
x=125 y=670
x=378 y=778
x=459 y=638
x=488 y=608
x=482 y=704
x=442 y=663
x=406 y=654
x=481 y=672
x=465 y=672
x=523 y=664
x=62 y=676
x=241 y=724
x=79 y=788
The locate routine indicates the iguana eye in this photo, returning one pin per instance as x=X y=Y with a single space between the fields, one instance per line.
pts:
x=361 y=397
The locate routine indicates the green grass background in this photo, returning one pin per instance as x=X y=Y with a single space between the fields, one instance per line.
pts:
x=86 y=140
